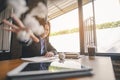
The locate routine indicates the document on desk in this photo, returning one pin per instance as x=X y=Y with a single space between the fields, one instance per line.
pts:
x=40 y=59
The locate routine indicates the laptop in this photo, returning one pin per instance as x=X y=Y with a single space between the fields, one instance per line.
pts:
x=49 y=70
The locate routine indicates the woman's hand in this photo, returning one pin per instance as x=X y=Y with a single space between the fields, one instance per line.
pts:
x=16 y=29
x=49 y=54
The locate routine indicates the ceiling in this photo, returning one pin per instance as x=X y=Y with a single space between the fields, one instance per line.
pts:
x=59 y=7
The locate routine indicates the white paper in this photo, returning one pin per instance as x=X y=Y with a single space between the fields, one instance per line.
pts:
x=40 y=59
x=67 y=64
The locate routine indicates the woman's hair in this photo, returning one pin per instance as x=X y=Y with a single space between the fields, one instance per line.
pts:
x=48 y=23
x=31 y=4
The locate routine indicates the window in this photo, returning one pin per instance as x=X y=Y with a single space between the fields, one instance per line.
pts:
x=101 y=27
x=107 y=20
x=107 y=14
x=64 y=32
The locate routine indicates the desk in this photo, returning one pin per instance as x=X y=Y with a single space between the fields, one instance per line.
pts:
x=102 y=68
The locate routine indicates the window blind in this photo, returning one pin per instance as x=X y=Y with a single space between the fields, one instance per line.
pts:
x=5 y=36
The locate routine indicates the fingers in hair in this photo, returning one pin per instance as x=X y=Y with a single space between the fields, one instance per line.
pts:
x=8 y=29
x=19 y=22
x=34 y=38
x=10 y=24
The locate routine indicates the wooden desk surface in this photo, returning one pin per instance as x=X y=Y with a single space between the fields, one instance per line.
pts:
x=102 y=68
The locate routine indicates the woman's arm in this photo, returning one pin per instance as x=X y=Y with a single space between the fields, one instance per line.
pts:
x=50 y=47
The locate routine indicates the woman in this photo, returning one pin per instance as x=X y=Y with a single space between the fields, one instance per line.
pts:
x=40 y=45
